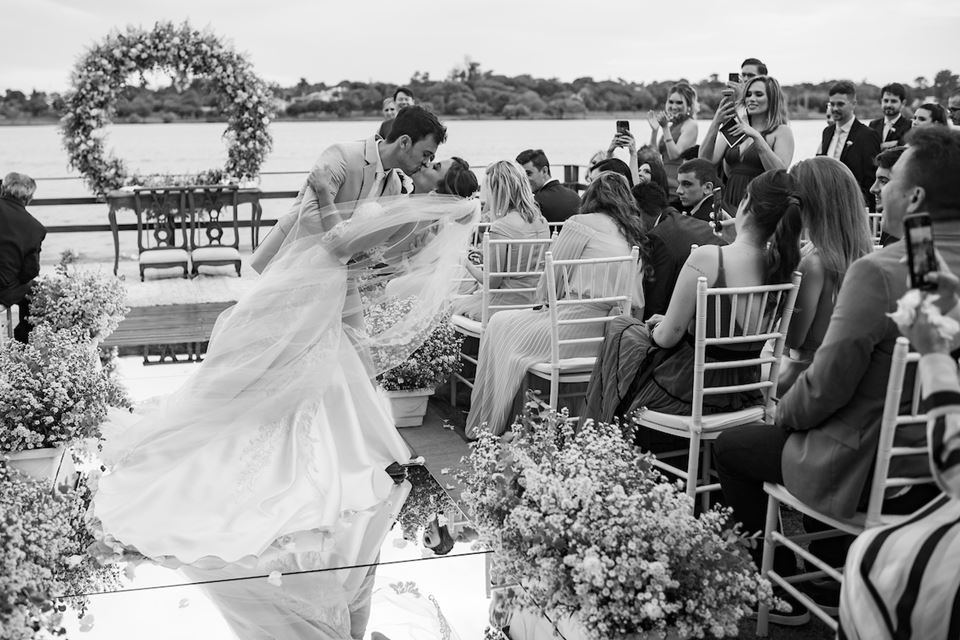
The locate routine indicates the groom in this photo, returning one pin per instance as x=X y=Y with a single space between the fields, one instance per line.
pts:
x=361 y=170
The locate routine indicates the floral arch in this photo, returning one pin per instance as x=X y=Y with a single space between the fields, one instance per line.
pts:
x=103 y=71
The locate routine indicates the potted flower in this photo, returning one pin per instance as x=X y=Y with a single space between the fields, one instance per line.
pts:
x=599 y=542
x=43 y=542
x=52 y=393
x=411 y=383
x=72 y=298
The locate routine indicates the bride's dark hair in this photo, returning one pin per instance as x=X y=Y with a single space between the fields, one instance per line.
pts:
x=459 y=180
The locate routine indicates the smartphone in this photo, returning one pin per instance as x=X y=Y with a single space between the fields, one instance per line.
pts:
x=728 y=133
x=733 y=77
x=623 y=126
x=921 y=258
x=717 y=214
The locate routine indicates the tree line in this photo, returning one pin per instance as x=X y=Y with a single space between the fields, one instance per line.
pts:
x=466 y=91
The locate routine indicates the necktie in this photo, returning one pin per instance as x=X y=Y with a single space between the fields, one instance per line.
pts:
x=838 y=149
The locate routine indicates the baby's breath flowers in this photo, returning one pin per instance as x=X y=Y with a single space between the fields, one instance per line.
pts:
x=589 y=528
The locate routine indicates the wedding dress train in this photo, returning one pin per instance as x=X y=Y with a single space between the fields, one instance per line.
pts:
x=281 y=432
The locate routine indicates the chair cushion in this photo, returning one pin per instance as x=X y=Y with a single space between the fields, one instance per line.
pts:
x=567 y=365
x=212 y=254
x=466 y=325
x=713 y=422
x=164 y=256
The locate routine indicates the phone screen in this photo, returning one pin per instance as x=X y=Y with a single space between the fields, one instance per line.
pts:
x=623 y=126
x=733 y=77
x=921 y=257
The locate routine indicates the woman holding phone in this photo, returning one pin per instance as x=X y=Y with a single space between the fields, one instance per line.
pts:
x=679 y=130
x=750 y=145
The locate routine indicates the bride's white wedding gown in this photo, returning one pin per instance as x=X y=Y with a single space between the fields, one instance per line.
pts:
x=281 y=430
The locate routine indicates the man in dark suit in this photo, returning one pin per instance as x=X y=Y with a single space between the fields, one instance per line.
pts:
x=669 y=245
x=824 y=443
x=557 y=202
x=695 y=182
x=848 y=140
x=892 y=127
x=20 y=238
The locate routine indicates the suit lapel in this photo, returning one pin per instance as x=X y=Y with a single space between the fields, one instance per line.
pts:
x=849 y=142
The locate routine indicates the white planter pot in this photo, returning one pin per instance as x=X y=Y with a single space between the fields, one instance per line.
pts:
x=409 y=407
x=52 y=464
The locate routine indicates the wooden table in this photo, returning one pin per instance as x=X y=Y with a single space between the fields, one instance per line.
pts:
x=122 y=199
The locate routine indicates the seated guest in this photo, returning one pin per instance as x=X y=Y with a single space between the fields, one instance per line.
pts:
x=929 y=114
x=833 y=217
x=20 y=238
x=557 y=202
x=884 y=161
x=650 y=167
x=655 y=369
x=514 y=215
x=669 y=241
x=609 y=227
x=611 y=164
x=903 y=580
x=824 y=442
x=696 y=180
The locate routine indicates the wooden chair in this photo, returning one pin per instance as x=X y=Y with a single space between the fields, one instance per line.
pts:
x=755 y=326
x=162 y=228
x=569 y=283
x=893 y=419
x=214 y=227
x=501 y=258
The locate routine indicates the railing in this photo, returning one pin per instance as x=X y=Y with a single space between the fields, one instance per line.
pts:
x=571 y=176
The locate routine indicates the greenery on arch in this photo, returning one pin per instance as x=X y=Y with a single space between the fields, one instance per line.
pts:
x=181 y=51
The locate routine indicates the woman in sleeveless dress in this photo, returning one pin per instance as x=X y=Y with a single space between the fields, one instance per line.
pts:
x=514 y=215
x=654 y=367
x=835 y=221
x=767 y=138
x=679 y=131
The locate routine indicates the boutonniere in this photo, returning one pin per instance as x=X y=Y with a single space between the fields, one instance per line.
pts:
x=849 y=143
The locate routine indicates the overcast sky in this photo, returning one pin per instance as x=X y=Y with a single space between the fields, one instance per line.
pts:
x=638 y=40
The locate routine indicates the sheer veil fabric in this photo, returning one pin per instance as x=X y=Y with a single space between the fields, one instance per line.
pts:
x=281 y=430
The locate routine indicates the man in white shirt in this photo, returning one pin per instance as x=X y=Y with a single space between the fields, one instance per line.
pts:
x=892 y=127
x=850 y=141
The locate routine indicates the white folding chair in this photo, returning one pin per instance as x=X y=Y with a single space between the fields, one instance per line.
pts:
x=578 y=283
x=514 y=258
x=875 y=221
x=6 y=323
x=756 y=325
x=881 y=482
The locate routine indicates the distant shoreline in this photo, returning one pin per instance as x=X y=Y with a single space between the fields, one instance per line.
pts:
x=593 y=115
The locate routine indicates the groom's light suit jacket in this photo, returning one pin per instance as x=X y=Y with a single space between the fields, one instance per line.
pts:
x=350 y=171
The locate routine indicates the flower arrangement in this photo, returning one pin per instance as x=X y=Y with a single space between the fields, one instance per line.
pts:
x=426 y=500
x=51 y=391
x=430 y=364
x=43 y=557
x=71 y=298
x=102 y=73
x=590 y=529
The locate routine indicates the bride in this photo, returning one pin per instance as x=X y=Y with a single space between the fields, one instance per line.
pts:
x=281 y=434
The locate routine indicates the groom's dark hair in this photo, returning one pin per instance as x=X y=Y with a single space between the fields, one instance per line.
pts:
x=418 y=123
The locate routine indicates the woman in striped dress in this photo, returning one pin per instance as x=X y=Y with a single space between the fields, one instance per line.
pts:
x=903 y=581
x=513 y=340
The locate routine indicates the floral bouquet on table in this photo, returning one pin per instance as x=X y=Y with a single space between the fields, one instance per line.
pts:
x=430 y=364
x=74 y=298
x=599 y=540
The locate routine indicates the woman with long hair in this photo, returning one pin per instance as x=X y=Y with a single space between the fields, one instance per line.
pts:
x=834 y=219
x=609 y=226
x=660 y=359
x=930 y=113
x=767 y=140
x=514 y=215
x=679 y=129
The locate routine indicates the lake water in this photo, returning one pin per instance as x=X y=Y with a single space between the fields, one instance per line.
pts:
x=190 y=147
